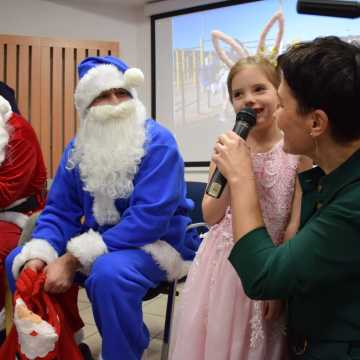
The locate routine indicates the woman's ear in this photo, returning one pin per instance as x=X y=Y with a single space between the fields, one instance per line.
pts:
x=319 y=123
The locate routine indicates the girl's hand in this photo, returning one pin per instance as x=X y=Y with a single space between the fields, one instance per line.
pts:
x=272 y=309
x=232 y=157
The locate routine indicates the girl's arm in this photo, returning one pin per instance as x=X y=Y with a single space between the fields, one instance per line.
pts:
x=214 y=209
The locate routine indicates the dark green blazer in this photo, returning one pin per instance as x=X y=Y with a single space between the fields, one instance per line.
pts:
x=318 y=270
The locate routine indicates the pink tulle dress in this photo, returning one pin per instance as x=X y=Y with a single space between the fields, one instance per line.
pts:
x=214 y=319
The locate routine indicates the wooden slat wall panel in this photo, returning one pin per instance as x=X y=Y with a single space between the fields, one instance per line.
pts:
x=57 y=108
x=11 y=65
x=43 y=72
x=80 y=56
x=45 y=131
x=2 y=59
x=35 y=90
x=23 y=80
x=69 y=114
x=92 y=52
x=104 y=52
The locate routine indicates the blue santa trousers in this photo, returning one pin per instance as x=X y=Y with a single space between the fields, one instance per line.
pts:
x=116 y=285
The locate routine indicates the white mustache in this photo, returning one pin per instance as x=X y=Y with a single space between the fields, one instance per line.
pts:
x=112 y=112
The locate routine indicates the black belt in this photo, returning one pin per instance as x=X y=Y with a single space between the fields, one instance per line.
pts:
x=300 y=345
x=30 y=204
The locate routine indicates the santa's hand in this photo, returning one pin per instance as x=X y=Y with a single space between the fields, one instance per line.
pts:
x=35 y=264
x=232 y=157
x=60 y=274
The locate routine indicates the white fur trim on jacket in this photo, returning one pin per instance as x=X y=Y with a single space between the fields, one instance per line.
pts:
x=167 y=258
x=86 y=248
x=14 y=217
x=34 y=249
x=5 y=109
x=98 y=79
x=5 y=114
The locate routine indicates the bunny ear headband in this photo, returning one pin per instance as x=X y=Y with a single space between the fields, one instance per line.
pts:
x=241 y=50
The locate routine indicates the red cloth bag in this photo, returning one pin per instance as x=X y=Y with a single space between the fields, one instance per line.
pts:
x=44 y=323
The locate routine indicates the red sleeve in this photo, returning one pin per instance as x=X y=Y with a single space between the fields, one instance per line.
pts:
x=17 y=170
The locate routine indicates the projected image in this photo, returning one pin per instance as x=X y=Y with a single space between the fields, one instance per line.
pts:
x=204 y=45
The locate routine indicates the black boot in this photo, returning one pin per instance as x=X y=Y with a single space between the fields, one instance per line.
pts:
x=2 y=336
x=85 y=351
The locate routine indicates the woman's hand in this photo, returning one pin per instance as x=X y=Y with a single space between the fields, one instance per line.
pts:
x=232 y=157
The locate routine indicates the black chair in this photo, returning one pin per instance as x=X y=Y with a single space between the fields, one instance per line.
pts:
x=195 y=191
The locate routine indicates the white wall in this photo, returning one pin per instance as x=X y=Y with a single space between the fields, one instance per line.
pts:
x=79 y=20
x=89 y=21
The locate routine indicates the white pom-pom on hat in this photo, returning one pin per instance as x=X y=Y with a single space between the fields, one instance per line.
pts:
x=134 y=77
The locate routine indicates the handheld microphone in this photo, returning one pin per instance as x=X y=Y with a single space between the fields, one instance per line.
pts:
x=335 y=8
x=245 y=120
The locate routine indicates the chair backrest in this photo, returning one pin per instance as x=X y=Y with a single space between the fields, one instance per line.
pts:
x=26 y=233
x=195 y=191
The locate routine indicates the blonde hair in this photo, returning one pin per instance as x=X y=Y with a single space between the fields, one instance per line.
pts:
x=262 y=63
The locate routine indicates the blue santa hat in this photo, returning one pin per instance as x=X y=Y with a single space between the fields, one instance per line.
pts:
x=100 y=73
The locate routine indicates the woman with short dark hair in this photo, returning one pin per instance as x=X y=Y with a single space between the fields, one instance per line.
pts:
x=318 y=270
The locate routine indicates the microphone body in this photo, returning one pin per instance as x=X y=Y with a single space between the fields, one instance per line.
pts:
x=335 y=8
x=245 y=120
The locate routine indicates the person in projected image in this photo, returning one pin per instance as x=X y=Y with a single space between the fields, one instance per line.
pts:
x=117 y=209
x=215 y=320
x=318 y=268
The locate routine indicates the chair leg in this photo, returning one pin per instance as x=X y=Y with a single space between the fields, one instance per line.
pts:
x=168 y=318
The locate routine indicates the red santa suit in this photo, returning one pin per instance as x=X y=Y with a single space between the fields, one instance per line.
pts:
x=22 y=181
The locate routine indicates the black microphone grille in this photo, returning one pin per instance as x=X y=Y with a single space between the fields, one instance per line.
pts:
x=248 y=115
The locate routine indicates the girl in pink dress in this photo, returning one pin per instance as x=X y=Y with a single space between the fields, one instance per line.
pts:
x=215 y=320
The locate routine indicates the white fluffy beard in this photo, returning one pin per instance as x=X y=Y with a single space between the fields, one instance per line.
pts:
x=109 y=147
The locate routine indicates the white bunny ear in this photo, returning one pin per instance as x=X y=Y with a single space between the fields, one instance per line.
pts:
x=239 y=48
x=261 y=50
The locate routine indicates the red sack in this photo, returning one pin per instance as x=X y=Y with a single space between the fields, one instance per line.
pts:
x=44 y=323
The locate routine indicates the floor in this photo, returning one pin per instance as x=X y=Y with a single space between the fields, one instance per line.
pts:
x=154 y=316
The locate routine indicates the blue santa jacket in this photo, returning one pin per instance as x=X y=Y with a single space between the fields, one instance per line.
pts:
x=156 y=210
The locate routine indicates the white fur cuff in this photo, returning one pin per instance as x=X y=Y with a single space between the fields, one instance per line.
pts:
x=167 y=258
x=14 y=217
x=86 y=248
x=34 y=249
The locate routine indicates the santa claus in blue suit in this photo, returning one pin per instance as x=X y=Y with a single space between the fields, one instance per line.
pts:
x=116 y=211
